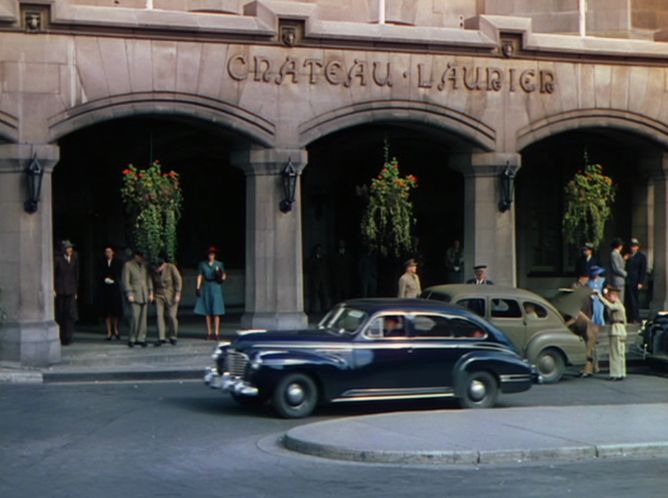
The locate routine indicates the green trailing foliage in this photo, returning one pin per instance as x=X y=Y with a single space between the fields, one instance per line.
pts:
x=388 y=222
x=589 y=199
x=153 y=201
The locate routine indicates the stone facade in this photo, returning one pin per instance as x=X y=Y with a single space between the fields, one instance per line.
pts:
x=283 y=74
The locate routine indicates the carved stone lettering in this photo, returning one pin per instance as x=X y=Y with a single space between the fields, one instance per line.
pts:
x=334 y=72
x=237 y=67
x=362 y=72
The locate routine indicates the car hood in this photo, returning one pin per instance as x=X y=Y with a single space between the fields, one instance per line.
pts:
x=292 y=337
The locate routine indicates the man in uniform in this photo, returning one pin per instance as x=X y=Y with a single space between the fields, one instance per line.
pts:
x=409 y=283
x=586 y=260
x=138 y=290
x=636 y=272
x=617 y=333
x=66 y=284
x=480 y=276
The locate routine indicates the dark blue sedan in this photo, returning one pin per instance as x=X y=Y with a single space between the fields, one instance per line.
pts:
x=372 y=350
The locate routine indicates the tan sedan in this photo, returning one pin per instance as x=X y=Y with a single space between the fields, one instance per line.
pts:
x=532 y=324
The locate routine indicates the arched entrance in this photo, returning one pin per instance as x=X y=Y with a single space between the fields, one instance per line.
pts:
x=340 y=165
x=630 y=156
x=87 y=206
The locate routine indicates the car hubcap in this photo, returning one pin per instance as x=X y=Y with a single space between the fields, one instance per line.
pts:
x=477 y=390
x=295 y=394
x=547 y=363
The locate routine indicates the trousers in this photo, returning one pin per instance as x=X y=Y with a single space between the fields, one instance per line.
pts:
x=617 y=356
x=138 y=322
x=66 y=315
x=166 y=312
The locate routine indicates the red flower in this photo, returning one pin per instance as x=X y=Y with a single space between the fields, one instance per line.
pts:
x=127 y=171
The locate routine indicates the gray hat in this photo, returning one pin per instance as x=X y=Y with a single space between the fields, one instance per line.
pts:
x=66 y=244
x=634 y=242
x=480 y=267
x=588 y=245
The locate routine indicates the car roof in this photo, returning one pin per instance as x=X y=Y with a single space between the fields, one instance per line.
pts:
x=485 y=290
x=372 y=305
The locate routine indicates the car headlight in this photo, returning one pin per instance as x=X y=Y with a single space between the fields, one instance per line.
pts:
x=256 y=362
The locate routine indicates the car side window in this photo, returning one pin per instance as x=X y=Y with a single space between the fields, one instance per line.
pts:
x=533 y=310
x=475 y=304
x=437 y=326
x=436 y=296
x=505 y=308
x=388 y=326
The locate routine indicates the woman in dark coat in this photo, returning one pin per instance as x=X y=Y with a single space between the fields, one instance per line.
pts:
x=109 y=298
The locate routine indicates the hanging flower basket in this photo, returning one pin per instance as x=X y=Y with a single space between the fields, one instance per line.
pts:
x=589 y=199
x=153 y=201
x=388 y=222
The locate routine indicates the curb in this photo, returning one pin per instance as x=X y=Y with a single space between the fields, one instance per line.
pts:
x=121 y=376
x=474 y=457
x=21 y=378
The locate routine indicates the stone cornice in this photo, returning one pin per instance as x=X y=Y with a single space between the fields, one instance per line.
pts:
x=261 y=19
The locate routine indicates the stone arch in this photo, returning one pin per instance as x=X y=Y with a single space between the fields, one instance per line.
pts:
x=391 y=111
x=638 y=124
x=252 y=126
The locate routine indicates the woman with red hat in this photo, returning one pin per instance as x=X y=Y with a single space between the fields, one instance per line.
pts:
x=210 y=277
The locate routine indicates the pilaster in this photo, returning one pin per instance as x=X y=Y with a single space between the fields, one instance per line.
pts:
x=489 y=234
x=274 y=276
x=30 y=335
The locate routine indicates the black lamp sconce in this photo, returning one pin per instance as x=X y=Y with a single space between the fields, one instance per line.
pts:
x=34 y=176
x=289 y=178
x=507 y=178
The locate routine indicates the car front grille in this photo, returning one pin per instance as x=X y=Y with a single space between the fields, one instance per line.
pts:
x=235 y=363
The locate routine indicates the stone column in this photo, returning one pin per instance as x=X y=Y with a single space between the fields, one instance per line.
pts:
x=660 y=253
x=489 y=234
x=274 y=296
x=30 y=334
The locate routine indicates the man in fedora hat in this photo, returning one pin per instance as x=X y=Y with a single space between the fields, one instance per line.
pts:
x=617 y=333
x=617 y=273
x=409 y=283
x=480 y=272
x=636 y=273
x=66 y=284
x=586 y=260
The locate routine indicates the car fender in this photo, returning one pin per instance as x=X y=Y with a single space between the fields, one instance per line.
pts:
x=570 y=345
x=496 y=362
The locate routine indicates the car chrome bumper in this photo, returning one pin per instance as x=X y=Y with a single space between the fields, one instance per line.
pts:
x=228 y=383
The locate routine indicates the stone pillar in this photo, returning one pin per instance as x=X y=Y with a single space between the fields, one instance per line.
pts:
x=489 y=234
x=274 y=296
x=30 y=334
x=660 y=253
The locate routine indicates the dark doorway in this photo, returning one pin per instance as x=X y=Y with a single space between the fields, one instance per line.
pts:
x=341 y=163
x=87 y=206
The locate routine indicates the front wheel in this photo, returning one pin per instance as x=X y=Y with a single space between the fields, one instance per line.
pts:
x=477 y=390
x=295 y=396
x=551 y=365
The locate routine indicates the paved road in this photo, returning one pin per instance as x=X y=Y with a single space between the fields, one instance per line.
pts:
x=181 y=439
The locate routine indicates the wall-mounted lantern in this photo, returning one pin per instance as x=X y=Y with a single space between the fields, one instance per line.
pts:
x=34 y=175
x=507 y=188
x=289 y=178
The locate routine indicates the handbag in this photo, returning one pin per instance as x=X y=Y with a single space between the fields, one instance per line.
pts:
x=218 y=276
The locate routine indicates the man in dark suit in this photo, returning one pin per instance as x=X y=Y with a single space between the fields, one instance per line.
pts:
x=480 y=276
x=66 y=284
x=586 y=260
x=636 y=273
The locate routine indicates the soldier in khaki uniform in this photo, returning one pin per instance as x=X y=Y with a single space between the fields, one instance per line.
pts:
x=167 y=285
x=138 y=290
x=409 y=283
x=617 y=333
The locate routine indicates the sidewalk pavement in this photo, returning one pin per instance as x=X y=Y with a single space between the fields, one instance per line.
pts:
x=91 y=358
x=492 y=436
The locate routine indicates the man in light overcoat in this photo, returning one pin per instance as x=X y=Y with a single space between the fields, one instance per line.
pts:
x=167 y=285
x=138 y=291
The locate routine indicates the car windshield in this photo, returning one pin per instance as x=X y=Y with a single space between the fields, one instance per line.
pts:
x=343 y=320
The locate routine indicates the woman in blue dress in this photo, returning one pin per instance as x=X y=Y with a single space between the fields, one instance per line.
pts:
x=210 y=278
x=596 y=282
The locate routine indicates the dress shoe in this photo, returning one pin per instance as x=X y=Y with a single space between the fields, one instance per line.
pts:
x=108 y=338
x=142 y=344
x=157 y=344
x=584 y=375
x=619 y=378
x=172 y=342
x=131 y=344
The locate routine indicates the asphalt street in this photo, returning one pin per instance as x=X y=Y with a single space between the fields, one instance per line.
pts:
x=166 y=439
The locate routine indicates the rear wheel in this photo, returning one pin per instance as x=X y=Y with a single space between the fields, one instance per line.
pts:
x=295 y=396
x=477 y=390
x=551 y=365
